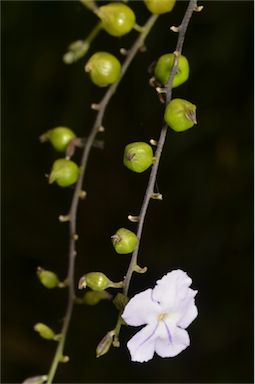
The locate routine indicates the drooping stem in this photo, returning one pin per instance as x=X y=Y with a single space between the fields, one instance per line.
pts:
x=101 y=107
x=161 y=141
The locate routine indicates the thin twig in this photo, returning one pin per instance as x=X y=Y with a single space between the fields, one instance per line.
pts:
x=151 y=183
x=78 y=188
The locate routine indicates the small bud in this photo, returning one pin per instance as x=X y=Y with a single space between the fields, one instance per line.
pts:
x=64 y=359
x=101 y=129
x=75 y=237
x=117 y=18
x=44 y=331
x=95 y=106
x=159 y=6
x=64 y=218
x=164 y=66
x=124 y=241
x=47 y=278
x=153 y=142
x=59 y=137
x=105 y=344
x=36 y=380
x=93 y=297
x=140 y=269
x=104 y=69
x=138 y=156
x=157 y=196
x=82 y=195
x=120 y=301
x=174 y=29
x=180 y=115
x=199 y=8
x=64 y=172
x=133 y=219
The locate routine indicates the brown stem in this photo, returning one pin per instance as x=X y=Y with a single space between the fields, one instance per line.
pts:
x=78 y=188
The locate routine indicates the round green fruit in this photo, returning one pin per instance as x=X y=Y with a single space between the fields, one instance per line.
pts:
x=104 y=69
x=159 y=6
x=117 y=18
x=59 y=137
x=64 y=172
x=47 y=278
x=164 y=66
x=138 y=156
x=44 y=331
x=96 y=281
x=180 y=115
x=124 y=241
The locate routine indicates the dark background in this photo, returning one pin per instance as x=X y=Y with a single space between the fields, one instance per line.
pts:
x=204 y=225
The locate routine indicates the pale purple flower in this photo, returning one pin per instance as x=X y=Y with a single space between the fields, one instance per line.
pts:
x=167 y=310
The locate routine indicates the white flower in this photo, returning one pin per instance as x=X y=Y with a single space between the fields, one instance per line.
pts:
x=167 y=310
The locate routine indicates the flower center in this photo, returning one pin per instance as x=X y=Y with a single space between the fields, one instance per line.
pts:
x=162 y=316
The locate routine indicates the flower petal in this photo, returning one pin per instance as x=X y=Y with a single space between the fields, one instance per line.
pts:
x=141 y=309
x=174 y=342
x=188 y=310
x=142 y=345
x=172 y=289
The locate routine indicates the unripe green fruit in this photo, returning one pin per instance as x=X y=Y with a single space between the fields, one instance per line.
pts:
x=164 y=66
x=47 y=278
x=124 y=241
x=117 y=18
x=93 y=297
x=180 y=115
x=44 y=331
x=104 y=69
x=59 y=137
x=95 y=280
x=64 y=172
x=159 y=6
x=138 y=156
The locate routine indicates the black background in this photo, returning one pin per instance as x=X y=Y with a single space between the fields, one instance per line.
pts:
x=204 y=225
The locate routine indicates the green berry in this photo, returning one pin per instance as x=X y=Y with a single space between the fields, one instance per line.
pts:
x=93 y=297
x=104 y=69
x=159 y=6
x=59 y=137
x=124 y=241
x=180 y=115
x=95 y=280
x=138 y=156
x=117 y=18
x=47 y=278
x=64 y=172
x=44 y=331
x=164 y=66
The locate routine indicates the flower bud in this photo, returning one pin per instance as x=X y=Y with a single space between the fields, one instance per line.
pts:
x=47 y=278
x=159 y=6
x=117 y=18
x=164 y=66
x=138 y=156
x=59 y=137
x=44 y=331
x=104 y=69
x=124 y=241
x=93 y=297
x=64 y=172
x=36 y=380
x=105 y=344
x=180 y=115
